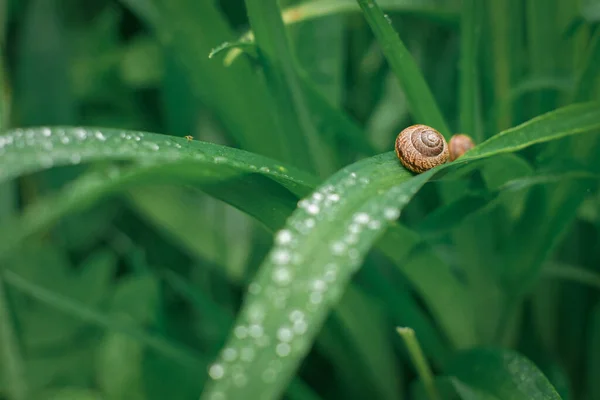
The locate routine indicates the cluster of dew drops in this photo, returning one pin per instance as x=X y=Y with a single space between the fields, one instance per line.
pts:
x=46 y=147
x=292 y=287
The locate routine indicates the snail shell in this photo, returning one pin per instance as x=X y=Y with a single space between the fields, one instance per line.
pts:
x=420 y=147
x=459 y=145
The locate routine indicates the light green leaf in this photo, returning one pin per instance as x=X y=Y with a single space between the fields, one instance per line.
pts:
x=329 y=235
x=501 y=374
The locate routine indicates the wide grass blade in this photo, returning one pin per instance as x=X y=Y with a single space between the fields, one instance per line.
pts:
x=420 y=99
x=468 y=91
x=330 y=233
x=501 y=374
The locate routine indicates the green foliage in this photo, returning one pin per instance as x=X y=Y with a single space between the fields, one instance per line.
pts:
x=265 y=242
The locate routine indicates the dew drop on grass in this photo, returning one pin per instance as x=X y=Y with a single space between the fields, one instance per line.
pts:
x=391 y=214
x=283 y=237
x=247 y=354
x=255 y=330
x=99 y=136
x=283 y=349
x=285 y=334
x=229 y=354
x=216 y=371
x=240 y=331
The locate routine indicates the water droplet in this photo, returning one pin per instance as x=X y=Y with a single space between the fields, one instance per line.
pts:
x=338 y=248
x=240 y=331
x=375 y=224
x=299 y=327
x=216 y=371
x=46 y=132
x=362 y=218
x=282 y=275
x=281 y=257
x=313 y=209
x=229 y=354
x=296 y=315
x=240 y=380
x=100 y=136
x=256 y=330
x=316 y=297
x=283 y=349
x=283 y=237
x=333 y=197
x=285 y=334
x=391 y=213
x=75 y=159
x=319 y=285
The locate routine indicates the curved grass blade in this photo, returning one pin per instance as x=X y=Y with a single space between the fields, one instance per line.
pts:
x=183 y=355
x=501 y=374
x=245 y=46
x=572 y=273
x=420 y=99
x=321 y=8
x=329 y=236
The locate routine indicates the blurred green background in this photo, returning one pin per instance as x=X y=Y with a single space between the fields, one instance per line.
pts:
x=133 y=297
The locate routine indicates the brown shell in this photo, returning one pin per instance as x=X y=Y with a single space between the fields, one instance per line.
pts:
x=459 y=145
x=420 y=147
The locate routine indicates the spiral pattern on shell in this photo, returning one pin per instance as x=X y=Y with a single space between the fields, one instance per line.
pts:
x=420 y=147
x=459 y=145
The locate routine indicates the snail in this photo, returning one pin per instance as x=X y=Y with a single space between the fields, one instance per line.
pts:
x=420 y=147
x=459 y=145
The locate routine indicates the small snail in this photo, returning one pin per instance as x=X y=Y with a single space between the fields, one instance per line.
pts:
x=459 y=145
x=420 y=147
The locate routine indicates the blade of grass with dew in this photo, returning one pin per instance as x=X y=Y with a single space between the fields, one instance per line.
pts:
x=420 y=99
x=289 y=99
x=501 y=374
x=310 y=10
x=419 y=361
x=242 y=179
x=270 y=206
x=468 y=91
x=345 y=215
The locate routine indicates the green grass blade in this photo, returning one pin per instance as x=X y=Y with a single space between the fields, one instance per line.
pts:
x=468 y=91
x=572 y=273
x=501 y=374
x=313 y=9
x=13 y=367
x=289 y=99
x=419 y=361
x=182 y=355
x=333 y=230
x=420 y=99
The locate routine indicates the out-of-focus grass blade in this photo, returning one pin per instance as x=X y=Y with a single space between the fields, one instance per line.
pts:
x=332 y=230
x=589 y=74
x=236 y=95
x=320 y=8
x=468 y=92
x=593 y=349
x=501 y=374
x=289 y=99
x=572 y=273
x=12 y=362
x=420 y=99
x=498 y=16
x=72 y=307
